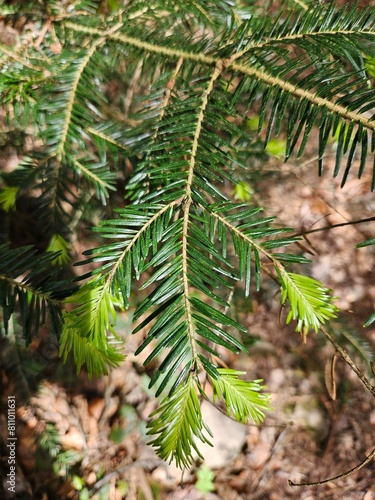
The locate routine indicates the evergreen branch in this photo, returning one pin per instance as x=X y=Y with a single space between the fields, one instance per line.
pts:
x=260 y=75
x=16 y=57
x=310 y=302
x=187 y=204
x=74 y=87
x=215 y=75
x=98 y=358
x=107 y=138
x=170 y=329
x=189 y=79
x=314 y=99
x=145 y=46
x=86 y=329
x=301 y=4
x=89 y=174
x=71 y=98
x=95 y=313
x=179 y=421
x=289 y=38
x=163 y=107
x=242 y=399
x=137 y=237
x=167 y=98
x=28 y=288
x=308 y=105
x=28 y=282
x=234 y=229
x=61 y=144
x=349 y=24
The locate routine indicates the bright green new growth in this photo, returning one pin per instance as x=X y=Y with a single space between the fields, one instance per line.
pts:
x=192 y=71
x=8 y=197
x=310 y=302
x=179 y=420
x=243 y=399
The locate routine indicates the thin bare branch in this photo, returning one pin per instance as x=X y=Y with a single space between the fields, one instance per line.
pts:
x=340 y=476
x=345 y=356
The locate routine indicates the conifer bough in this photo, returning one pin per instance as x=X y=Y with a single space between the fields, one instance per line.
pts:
x=190 y=74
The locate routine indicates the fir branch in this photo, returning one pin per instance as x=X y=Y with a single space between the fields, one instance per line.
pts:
x=97 y=358
x=260 y=75
x=242 y=399
x=91 y=176
x=179 y=421
x=301 y=4
x=73 y=91
x=187 y=205
x=107 y=138
x=14 y=56
x=28 y=283
x=314 y=99
x=189 y=79
x=70 y=102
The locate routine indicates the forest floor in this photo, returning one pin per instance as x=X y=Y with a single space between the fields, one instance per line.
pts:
x=79 y=438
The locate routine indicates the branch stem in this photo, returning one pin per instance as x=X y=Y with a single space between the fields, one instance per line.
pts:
x=333 y=226
x=187 y=206
x=339 y=476
x=251 y=71
x=345 y=356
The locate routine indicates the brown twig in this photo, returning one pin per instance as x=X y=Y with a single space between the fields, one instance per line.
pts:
x=340 y=476
x=371 y=389
x=332 y=226
x=330 y=377
x=345 y=356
